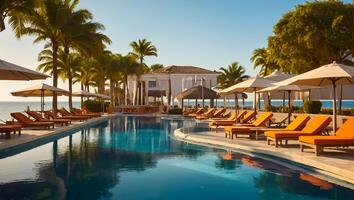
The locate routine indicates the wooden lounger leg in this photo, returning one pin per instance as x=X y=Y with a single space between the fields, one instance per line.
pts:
x=318 y=150
x=301 y=148
x=276 y=143
x=268 y=141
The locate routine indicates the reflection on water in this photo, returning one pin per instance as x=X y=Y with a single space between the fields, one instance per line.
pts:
x=135 y=158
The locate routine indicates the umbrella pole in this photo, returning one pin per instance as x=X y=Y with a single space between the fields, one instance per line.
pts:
x=334 y=106
x=254 y=100
x=289 y=107
x=236 y=104
x=42 y=102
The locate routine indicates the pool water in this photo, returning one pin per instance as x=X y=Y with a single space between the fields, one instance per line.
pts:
x=137 y=158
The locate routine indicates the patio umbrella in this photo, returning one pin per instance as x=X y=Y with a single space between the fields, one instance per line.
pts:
x=249 y=85
x=9 y=71
x=332 y=74
x=197 y=92
x=103 y=97
x=83 y=94
x=41 y=90
x=285 y=87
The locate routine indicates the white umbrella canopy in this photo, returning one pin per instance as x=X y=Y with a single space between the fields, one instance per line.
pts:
x=83 y=94
x=9 y=71
x=285 y=87
x=41 y=90
x=332 y=74
x=249 y=85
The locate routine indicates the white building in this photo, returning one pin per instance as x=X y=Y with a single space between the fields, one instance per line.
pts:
x=170 y=81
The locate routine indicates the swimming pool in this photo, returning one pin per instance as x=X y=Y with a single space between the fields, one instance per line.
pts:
x=137 y=158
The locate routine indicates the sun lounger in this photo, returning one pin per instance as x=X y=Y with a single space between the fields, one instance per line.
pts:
x=219 y=112
x=8 y=129
x=297 y=124
x=206 y=115
x=229 y=121
x=63 y=112
x=24 y=121
x=197 y=112
x=52 y=115
x=344 y=136
x=231 y=131
x=38 y=117
x=314 y=127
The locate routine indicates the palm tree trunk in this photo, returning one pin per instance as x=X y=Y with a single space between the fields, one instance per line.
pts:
x=111 y=91
x=2 y=23
x=55 y=47
x=70 y=80
x=82 y=98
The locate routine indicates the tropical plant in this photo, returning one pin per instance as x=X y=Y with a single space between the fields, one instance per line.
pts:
x=140 y=50
x=261 y=58
x=156 y=67
x=314 y=34
x=46 y=24
x=15 y=10
x=67 y=66
x=231 y=75
x=128 y=66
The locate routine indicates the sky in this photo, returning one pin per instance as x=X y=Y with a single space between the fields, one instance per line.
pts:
x=205 y=33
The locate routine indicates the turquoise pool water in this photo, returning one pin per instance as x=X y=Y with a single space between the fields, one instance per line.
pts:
x=136 y=158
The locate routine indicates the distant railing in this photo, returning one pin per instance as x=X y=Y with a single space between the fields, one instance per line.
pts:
x=139 y=109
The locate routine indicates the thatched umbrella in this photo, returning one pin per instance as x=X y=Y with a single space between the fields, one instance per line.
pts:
x=197 y=92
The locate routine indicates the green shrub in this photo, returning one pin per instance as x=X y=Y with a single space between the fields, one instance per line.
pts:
x=312 y=107
x=95 y=105
x=175 y=111
x=327 y=111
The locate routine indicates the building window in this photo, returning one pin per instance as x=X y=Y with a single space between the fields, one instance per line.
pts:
x=152 y=84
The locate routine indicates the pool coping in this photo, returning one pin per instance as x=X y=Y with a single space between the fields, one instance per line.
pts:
x=10 y=149
x=327 y=172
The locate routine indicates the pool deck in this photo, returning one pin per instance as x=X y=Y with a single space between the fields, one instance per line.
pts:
x=31 y=135
x=334 y=165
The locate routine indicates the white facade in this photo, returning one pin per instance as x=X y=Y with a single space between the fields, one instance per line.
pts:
x=179 y=83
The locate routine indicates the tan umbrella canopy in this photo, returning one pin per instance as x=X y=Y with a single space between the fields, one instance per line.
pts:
x=249 y=85
x=9 y=71
x=83 y=94
x=332 y=74
x=285 y=87
x=41 y=90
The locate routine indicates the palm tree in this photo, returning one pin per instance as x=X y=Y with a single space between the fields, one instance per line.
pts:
x=84 y=75
x=46 y=24
x=141 y=49
x=128 y=66
x=15 y=10
x=231 y=75
x=156 y=67
x=80 y=34
x=261 y=58
x=67 y=65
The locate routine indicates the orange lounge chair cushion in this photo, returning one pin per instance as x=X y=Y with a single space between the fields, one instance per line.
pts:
x=298 y=123
x=326 y=140
x=248 y=116
x=262 y=119
x=285 y=134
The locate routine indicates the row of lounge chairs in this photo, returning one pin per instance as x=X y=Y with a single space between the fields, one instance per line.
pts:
x=304 y=129
x=35 y=119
